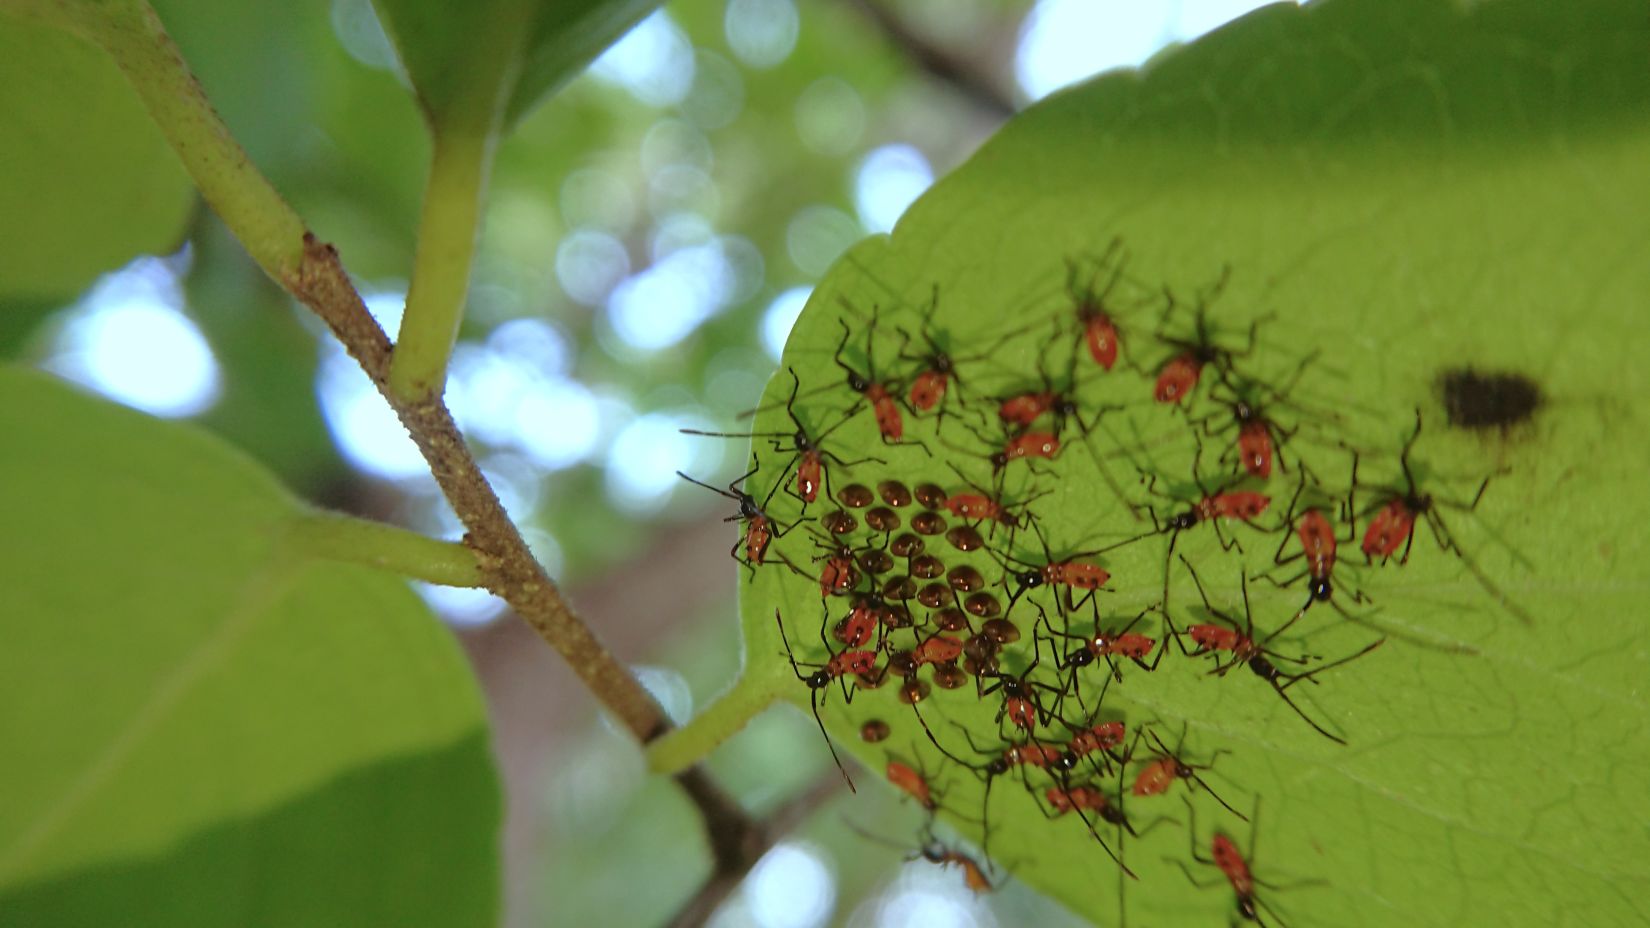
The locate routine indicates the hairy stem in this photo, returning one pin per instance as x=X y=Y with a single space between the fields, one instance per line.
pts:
x=311 y=271
x=505 y=561
x=447 y=233
x=385 y=547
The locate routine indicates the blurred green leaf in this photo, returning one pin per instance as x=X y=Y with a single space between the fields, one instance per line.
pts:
x=1407 y=188
x=261 y=67
x=217 y=729
x=90 y=183
x=467 y=61
x=566 y=37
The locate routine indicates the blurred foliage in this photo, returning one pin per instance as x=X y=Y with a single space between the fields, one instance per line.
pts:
x=88 y=180
x=215 y=726
x=312 y=91
x=466 y=61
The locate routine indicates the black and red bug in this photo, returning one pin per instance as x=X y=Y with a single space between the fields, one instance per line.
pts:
x=807 y=455
x=1247 y=409
x=1227 y=635
x=1084 y=798
x=938 y=371
x=1025 y=446
x=760 y=528
x=839 y=573
x=839 y=665
x=1209 y=505
x=1167 y=766
x=1094 y=738
x=1109 y=646
x=1018 y=412
x=881 y=396
x=912 y=782
x=1396 y=510
x=1067 y=573
x=1319 y=550
x=1021 y=706
x=1012 y=444
x=1036 y=423
x=975 y=876
x=1235 y=869
x=1319 y=546
x=977 y=504
x=1178 y=376
x=1000 y=760
x=869 y=616
x=1097 y=326
x=937 y=648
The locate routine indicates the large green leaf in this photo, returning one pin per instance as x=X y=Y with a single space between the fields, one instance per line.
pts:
x=204 y=725
x=89 y=182
x=466 y=59
x=1405 y=187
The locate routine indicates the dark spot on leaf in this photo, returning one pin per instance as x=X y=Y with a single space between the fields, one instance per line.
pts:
x=1488 y=399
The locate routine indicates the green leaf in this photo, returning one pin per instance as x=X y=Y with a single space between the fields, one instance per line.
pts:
x=207 y=725
x=1403 y=188
x=467 y=61
x=90 y=183
x=566 y=38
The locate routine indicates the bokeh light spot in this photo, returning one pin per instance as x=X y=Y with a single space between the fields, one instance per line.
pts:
x=546 y=550
x=654 y=61
x=1064 y=41
x=888 y=180
x=790 y=887
x=589 y=264
x=533 y=342
x=830 y=117
x=129 y=340
x=780 y=316
x=557 y=423
x=917 y=909
x=673 y=143
x=645 y=455
x=718 y=94
x=667 y=302
x=668 y=688
x=761 y=33
x=459 y=605
x=363 y=426
x=512 y=394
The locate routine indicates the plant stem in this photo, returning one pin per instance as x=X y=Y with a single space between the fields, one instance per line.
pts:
x=131 y=33
x=385 y=547
x=505 y=561
x=447 y=233
x=311 y=272
x=757 y=689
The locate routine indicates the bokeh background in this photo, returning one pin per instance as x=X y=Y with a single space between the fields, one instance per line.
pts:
x=652 y=232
